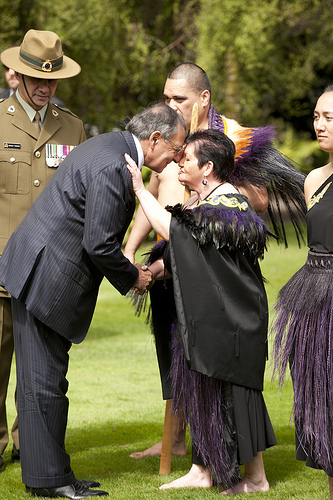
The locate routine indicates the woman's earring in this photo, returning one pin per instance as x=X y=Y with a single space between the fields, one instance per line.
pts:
x=204 y=181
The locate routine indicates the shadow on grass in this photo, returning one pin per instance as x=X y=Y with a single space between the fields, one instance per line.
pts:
x=105 y=450
x=101 y=452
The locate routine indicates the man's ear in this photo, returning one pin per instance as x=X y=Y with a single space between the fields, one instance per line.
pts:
x=154 y=138
x=205 y=98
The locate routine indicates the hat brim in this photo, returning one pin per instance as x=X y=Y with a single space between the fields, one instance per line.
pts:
x=11 y=58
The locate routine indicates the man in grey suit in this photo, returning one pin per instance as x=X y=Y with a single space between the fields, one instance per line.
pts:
x=53 y=265
x=11 y=81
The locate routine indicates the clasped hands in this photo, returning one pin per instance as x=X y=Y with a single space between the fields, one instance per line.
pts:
x=145 y=279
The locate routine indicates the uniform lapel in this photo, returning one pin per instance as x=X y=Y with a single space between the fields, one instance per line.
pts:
x=21 y=119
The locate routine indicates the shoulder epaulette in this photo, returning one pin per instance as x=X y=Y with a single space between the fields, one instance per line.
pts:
x=65 y=110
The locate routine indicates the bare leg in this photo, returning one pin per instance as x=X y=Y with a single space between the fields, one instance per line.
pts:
x=254 y=479
x=178 y=441
x=198 y=477
x=330 y=482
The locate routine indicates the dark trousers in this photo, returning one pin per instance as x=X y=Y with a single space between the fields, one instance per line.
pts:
x=41 y=364
x=163 y=312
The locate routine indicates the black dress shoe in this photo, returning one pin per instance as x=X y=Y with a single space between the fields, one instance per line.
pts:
x=15 y=454
x=89 y=484
x=75 y=491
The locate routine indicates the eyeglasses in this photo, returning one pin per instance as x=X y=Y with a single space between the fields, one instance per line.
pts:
x=179 y=149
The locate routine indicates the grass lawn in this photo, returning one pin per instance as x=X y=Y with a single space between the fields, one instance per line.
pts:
x=116 y=408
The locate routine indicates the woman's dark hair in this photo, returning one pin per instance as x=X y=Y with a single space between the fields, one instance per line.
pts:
x=213 y=145
x=328 y=88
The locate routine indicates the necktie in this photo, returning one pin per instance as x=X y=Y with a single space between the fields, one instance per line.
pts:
x=36 y=121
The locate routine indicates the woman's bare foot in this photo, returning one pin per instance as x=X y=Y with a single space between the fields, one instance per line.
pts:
x=247 y=486
x=197 y=477
x=178 y=448
x=178 y=441
x=254 y=479
x=152 y=451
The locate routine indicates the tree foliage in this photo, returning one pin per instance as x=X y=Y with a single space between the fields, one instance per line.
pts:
x=267 y=59
x=125 y=49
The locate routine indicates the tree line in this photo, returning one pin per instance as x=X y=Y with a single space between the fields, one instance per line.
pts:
x=267 y=61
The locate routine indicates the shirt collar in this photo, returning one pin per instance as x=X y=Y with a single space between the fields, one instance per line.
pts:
x=31 y=111
x=140 y=152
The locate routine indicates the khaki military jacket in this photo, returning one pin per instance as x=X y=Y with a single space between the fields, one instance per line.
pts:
x=23 y=159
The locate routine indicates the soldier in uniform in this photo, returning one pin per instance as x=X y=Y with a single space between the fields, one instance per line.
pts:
x=35 y=136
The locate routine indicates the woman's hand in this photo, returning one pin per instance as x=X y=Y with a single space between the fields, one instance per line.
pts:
x=157 y=216
x=137 y=181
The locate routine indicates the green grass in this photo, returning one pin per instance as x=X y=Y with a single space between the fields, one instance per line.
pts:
x=116 y=408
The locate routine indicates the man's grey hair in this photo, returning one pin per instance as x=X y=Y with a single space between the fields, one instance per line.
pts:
x=156 y=117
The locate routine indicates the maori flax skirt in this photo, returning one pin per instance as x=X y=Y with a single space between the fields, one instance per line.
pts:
x=303 y=328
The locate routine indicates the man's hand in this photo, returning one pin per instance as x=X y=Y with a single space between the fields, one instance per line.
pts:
x=145 y=279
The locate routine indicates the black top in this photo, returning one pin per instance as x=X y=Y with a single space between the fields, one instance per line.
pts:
x=219 y=293
x=320 y=218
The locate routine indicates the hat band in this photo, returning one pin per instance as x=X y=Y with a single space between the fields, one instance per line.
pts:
x=42 y=65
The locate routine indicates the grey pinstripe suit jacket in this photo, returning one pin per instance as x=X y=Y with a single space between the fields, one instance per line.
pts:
x=71 y=237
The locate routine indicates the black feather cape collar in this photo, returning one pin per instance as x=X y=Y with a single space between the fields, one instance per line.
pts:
x=226 y=221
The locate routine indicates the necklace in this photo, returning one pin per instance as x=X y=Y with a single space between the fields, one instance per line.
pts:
x=229 y=189
x=194 y=201
x=212 y=191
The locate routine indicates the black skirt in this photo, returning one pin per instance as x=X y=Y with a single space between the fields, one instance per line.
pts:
x=253 y=425
x=254 y=430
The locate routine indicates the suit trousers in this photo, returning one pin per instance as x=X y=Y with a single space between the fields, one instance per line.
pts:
x=41 y=365
x=6 y=355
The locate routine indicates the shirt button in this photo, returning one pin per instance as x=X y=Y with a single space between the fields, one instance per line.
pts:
x=37 y=154
x=12 y=160
x=36 y=183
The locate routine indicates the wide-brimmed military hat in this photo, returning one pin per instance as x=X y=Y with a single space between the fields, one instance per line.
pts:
x=40 y=55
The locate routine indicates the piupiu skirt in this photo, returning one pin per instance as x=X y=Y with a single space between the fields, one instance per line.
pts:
x=303 y=329
x=229 y=423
